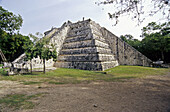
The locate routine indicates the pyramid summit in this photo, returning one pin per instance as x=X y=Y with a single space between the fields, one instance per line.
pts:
x=88 y=46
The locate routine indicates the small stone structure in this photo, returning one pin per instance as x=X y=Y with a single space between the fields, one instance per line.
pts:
x=88 y=46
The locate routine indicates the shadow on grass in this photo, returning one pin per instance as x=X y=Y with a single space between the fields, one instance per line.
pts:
x=30 y=82
x=121 y=79
x=19 y=101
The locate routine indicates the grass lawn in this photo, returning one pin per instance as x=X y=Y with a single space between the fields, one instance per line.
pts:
x=74 y=76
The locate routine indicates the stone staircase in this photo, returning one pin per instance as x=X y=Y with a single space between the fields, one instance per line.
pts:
x=85 y=48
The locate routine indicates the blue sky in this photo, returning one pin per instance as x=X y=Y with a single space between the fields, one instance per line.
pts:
x=41 y=15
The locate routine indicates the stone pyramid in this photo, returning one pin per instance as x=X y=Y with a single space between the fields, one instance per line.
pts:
x=88 y=46
x=85 y=48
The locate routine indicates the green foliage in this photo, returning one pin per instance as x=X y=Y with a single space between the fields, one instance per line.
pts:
x=162 y=29
x=12 y=44
x=155 y=43
x=3 y=72
x=156 y=40
x=43 y=51
x=131 y=41
x=40 y=48
x=19 y=101
x=9 y=21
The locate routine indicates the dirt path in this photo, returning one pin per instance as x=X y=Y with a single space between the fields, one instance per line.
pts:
x=150 y=94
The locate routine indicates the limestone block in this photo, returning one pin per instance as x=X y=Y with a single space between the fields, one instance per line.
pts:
x=79 y=57
x=86 y=50
x=109 y=64
x=101 y=44
x=96 y=37
x=78 y=32
x=80 y=65
x=80 y=44
x=79 y=38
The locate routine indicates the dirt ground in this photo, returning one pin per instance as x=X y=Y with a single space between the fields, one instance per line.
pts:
x=150 y=94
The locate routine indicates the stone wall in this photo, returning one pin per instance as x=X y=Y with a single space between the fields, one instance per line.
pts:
x=36 y=62
x=57 y=38
x=124 y=53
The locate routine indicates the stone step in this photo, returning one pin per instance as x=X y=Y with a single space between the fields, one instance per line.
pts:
x=85 y=43
x=86 y=50
x=78 y=38
x=85 y=37
x=73 y=33
x=80 y=24
x=86 y=57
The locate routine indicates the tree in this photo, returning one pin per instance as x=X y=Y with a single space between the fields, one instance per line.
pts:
x=153 y=27
x=43 y=50
x=12 y=44
x=131 y=41
x=8 y=21
x=136 y=8
x=157 y=39
x=29 y=49
x=40 y=48
x=127 y=37
x=155 y=43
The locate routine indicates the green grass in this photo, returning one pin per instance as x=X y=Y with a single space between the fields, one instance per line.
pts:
x=3 y=72
x=136 y=71
x=75 y=76
x=19 y=101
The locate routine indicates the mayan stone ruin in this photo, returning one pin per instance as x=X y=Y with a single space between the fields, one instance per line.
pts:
x=88 y=46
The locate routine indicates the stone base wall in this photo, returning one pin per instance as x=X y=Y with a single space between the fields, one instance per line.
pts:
x=36 y=63
x=80 y=65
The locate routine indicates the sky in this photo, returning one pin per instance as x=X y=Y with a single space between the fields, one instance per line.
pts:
x=42 y=15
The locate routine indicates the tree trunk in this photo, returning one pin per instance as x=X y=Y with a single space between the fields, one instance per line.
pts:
x=44 y=65
x=31 y=66
x=162 y=55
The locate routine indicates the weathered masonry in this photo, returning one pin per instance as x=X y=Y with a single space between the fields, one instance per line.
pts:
x=86 y=45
